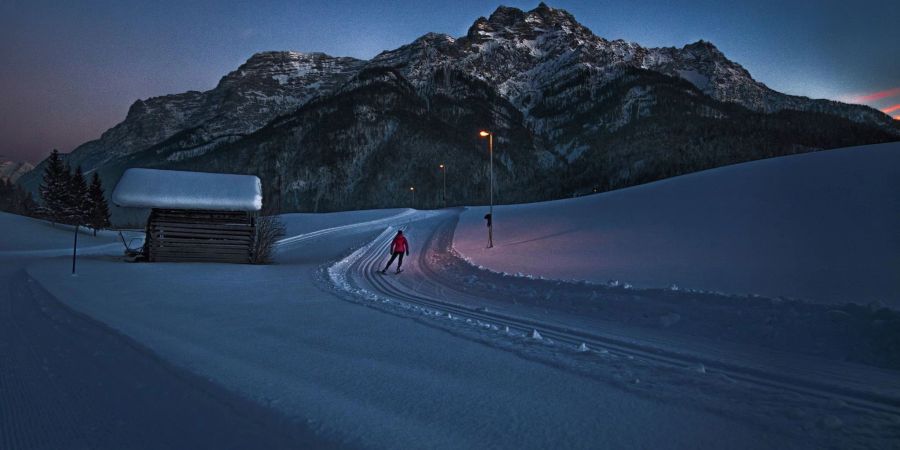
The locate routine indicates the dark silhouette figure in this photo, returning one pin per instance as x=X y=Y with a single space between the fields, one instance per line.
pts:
x=399 y=247
x=489 y=218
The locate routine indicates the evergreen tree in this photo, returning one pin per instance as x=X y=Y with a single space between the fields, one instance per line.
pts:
x=77 y=203
x=7 y=197
x=16 y=200
x=54 y=189
x=26 y=204
x=98 y=209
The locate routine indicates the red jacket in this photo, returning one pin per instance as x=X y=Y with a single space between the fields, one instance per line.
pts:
x=399 y=245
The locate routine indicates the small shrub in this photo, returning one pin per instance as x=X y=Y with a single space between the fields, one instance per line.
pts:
x=269 y=229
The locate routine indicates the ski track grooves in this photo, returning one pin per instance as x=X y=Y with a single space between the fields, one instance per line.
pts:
x=300 y=238
x=367 y=260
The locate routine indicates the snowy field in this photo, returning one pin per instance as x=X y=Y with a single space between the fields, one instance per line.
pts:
x=363 y=377
x=819 y=226
x=26 y=236
x=69 y=382
x=447 y=355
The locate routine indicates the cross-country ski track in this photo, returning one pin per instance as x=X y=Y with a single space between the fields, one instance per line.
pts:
x=809 y=381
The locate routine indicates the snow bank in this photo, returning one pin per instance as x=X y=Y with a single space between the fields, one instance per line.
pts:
x=821 y=226
x=152 y=188
x=24 y=236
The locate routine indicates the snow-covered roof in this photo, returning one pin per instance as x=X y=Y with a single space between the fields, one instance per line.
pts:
x=152 y=188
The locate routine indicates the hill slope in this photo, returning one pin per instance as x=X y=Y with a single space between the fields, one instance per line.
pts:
x=819 y=226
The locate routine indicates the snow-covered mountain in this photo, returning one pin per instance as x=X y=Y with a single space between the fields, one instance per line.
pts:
x=12 y=170
x=525 y=53
x=267 y=85
x=572 y=113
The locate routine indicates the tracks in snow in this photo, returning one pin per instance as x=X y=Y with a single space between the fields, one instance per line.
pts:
x=293 y=241
x=431 y=292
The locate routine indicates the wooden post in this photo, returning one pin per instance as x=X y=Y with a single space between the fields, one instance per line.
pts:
x=254 y=246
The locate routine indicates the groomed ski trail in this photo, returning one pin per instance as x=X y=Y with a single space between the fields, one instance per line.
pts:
x=428 y=292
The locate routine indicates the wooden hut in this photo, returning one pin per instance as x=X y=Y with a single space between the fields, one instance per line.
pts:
x=194 y=217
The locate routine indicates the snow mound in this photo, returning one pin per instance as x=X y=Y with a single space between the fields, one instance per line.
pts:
x=819 y=226
x=152 y=188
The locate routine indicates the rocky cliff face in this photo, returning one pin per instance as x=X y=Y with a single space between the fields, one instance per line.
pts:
x=572 y=113
x=267 y=85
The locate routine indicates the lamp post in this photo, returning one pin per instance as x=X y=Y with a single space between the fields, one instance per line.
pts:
x=413 y=190
x=490 y=218
x=75 y=250
x=444 y=194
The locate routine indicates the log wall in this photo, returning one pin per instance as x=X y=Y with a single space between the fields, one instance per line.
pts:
x=200 y=236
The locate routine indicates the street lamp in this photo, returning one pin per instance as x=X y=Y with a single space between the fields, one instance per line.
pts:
x=490 y=216
x=413 y=190
x=444 y=195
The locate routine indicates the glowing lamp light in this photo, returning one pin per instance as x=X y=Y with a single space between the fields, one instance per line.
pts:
x=441 y=166
x=490 y=136
x=412 y=188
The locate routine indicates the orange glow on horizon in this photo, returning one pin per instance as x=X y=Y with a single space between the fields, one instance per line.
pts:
x=887 y=93
x=896 y=117
x=891 y=108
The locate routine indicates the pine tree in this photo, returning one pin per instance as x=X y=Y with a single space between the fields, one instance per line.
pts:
x=7 y=196
x=54 y=189
x=16 y=200
x=98 y=209
x=26 y=204
x=77 y=203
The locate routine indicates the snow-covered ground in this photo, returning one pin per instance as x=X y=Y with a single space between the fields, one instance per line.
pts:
x=447 y=355
x=757 y=359
x=69 y=382
x=26 y=236
x=819 y=226
x=301 y=224
x=361 y=376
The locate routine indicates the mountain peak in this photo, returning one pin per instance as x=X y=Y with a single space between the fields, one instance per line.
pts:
x=510 y=16
x=507 y=20
x=12 y=170
x=703 y=46
x=506 y=16
x=287 y=67
x=553 y=14
x=281 y=56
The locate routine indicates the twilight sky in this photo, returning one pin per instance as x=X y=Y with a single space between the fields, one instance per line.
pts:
x=70 y=70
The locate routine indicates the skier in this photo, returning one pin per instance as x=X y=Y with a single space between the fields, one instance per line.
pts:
x=398 y=247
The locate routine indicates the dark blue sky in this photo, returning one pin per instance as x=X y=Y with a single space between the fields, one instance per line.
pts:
x=70 y=70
